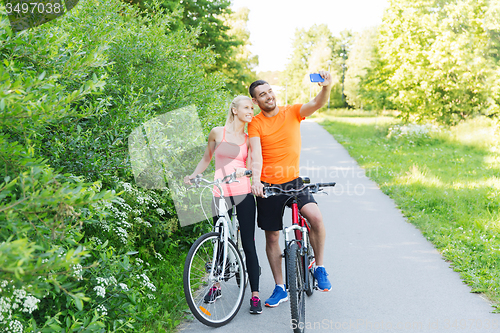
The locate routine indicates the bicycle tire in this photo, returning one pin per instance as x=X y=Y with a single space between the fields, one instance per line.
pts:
x=196 y=285
x=295 y=272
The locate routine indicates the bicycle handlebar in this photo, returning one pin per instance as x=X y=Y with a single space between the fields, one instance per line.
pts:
x=314 y=188
x=326 y=184
x=224 y=180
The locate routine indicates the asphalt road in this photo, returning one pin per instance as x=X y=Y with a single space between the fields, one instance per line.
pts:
x=386 y=277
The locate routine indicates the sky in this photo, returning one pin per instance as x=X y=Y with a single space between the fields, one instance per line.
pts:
x=272 y=23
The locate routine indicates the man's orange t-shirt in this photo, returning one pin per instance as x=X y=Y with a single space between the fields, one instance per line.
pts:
x=281 y=143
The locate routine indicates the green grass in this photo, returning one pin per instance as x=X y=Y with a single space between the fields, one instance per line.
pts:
x=447 y=184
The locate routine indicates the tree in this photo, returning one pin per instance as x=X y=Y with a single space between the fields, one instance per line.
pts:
x=219 y=29
x=239 y=68
x=436 y=52
x=206 y=16
x=312 y=49
x=375 y=93
x=360 y=59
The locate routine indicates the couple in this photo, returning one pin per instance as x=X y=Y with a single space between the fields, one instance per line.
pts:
x=271 y=149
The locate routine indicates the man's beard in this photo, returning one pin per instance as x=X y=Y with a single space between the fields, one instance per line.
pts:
x=265 y=108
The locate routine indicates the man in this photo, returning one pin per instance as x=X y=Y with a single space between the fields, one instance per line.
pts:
x=275 y=140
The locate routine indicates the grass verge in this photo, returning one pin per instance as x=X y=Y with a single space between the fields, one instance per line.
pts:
x=446 y=182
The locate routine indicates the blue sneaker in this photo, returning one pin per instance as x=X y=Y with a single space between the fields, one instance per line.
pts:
x=320 y=275
x=279 y=295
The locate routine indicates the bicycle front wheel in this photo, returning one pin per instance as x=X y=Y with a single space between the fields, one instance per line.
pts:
x=213 y=308
x=295 y=272
x=309 y=261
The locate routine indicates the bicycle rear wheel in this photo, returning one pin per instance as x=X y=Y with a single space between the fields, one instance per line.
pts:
x=197 y=282
x=295 y=272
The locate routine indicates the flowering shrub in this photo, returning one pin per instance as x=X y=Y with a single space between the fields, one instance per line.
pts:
x=12 y=307
x=82 y=249
x=414 y=133
x=135 y=211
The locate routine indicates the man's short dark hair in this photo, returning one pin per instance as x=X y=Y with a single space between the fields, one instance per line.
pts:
x=255 y=85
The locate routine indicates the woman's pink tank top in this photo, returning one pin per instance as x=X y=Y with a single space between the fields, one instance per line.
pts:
x=229 y=156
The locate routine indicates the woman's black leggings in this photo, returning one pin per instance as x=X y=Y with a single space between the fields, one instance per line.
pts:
x=245 y=209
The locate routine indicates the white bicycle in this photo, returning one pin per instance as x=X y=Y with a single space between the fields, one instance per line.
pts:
x=214 y=272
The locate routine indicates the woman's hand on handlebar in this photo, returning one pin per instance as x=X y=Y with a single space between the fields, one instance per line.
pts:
x=187 y=179
x=240 y=172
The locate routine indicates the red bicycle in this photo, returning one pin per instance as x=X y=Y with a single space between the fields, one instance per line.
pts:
x=298 y=253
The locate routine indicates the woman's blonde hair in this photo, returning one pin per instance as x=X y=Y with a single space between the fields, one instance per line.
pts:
x=234 y=104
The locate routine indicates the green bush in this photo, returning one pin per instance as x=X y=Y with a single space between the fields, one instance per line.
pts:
x=82 y=248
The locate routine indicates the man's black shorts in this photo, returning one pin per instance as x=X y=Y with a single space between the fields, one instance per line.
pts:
x=270 y=210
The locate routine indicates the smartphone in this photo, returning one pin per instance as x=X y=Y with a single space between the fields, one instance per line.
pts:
x=316 y=77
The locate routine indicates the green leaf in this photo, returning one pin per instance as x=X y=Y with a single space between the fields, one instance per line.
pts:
x=78 y=302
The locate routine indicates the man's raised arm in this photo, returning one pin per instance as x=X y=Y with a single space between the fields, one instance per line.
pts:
x=317 y=102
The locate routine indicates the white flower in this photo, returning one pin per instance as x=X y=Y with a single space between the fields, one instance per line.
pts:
x=97 y=240
x=160 y=211
x=140 y=220
x=112 y=280
x=104 y=225
x=16 y=326
x=100 y=291
x=123 y=286
x=102 y=310
x=127 y=187
x=146 y=283
x=19 y=294
x=122 y=233
x=151 y=296
x=102 y=281
x=77 y=271
x=158 y=256
x=30 y=304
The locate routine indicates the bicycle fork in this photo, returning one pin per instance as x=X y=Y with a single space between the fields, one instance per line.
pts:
x=223 y=227
x=301 y=238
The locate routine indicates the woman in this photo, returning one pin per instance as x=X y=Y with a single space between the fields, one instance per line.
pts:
x=230 y=145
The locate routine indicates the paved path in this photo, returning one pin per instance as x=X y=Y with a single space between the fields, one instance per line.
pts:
x=386 y=276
